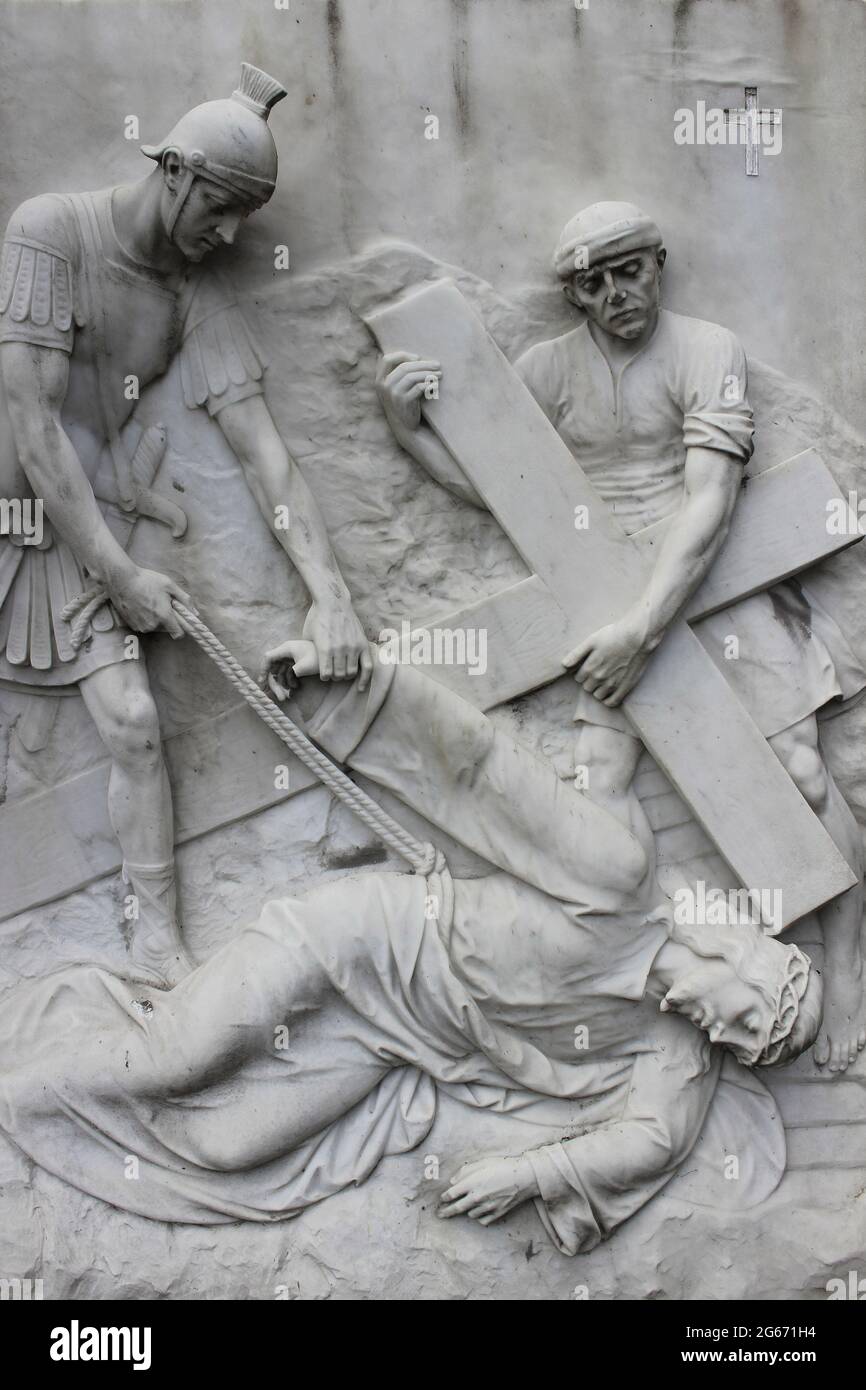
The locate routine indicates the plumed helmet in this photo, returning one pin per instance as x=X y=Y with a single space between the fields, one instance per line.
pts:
x=229 y=141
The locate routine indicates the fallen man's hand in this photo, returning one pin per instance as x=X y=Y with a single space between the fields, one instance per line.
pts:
x=284 y=665
x=489 y=1188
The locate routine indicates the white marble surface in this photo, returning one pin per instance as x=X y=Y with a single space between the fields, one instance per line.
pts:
x=589 y=116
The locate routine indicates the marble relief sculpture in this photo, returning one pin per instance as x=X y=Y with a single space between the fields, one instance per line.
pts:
x=537 y=975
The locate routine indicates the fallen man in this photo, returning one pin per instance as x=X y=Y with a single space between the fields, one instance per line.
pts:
x=315 y=1042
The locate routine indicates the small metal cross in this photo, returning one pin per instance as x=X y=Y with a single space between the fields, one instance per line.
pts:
x=753 y=119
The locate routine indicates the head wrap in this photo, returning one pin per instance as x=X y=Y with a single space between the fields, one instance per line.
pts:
x=795 y=978
x=600 y=231
x=780 y=972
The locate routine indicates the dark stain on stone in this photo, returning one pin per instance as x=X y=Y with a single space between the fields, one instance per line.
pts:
x=460 y=67
x=682 y=13
x=5 y=730
x=795 y=620
x=792 y=24
x=355 y=858
x=519 y=709
x=334 y=21
x=343 y=121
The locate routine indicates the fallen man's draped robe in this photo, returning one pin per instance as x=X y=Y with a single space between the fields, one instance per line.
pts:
x=314 y=1043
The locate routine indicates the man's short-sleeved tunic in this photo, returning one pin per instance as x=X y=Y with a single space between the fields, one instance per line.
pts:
x=46 y=280
x=629 y=427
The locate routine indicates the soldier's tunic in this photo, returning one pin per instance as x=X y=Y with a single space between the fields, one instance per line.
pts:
x=629 y=428
x=149 y=316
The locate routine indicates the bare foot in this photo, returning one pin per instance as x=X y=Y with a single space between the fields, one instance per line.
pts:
x=843 y=1029
x=161 y=956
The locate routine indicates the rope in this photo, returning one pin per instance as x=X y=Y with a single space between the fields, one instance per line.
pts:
x=422 y=857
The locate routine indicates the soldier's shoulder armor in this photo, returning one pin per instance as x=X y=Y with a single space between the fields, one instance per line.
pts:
x=40 y=251
x=48 y=220
x=221 y=353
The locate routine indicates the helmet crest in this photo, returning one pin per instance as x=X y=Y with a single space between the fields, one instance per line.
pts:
x=258 y=91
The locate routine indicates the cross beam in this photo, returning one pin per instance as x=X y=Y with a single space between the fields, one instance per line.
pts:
x=682 y=708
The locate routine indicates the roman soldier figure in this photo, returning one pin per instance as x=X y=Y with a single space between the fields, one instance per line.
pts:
x=97 y=288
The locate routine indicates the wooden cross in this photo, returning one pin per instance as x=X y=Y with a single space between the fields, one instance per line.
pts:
x=59 y=838
x=753 y=120
x=683 y=709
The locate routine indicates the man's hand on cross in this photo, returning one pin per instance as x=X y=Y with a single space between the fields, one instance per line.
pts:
x=402 y=380
x=610 y=662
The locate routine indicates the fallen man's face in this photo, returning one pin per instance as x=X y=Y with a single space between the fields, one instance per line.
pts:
x=730 y=1012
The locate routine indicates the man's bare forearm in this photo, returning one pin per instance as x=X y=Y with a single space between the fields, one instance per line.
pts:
x=305 y=540
x=288 y=506
x=284 y=499
x=54 y=471
x=427 y=449
x=403 y=380
x=36 y=381
x=693 y=540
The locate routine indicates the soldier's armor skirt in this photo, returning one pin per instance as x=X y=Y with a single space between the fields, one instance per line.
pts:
x=35 y=648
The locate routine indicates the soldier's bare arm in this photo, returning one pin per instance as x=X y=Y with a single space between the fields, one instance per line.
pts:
x=36 y=379
x=276 y=481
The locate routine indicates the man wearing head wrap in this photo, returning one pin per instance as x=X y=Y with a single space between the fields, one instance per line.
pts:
x=654 y=407
x=95 y=290
x=554 y=997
